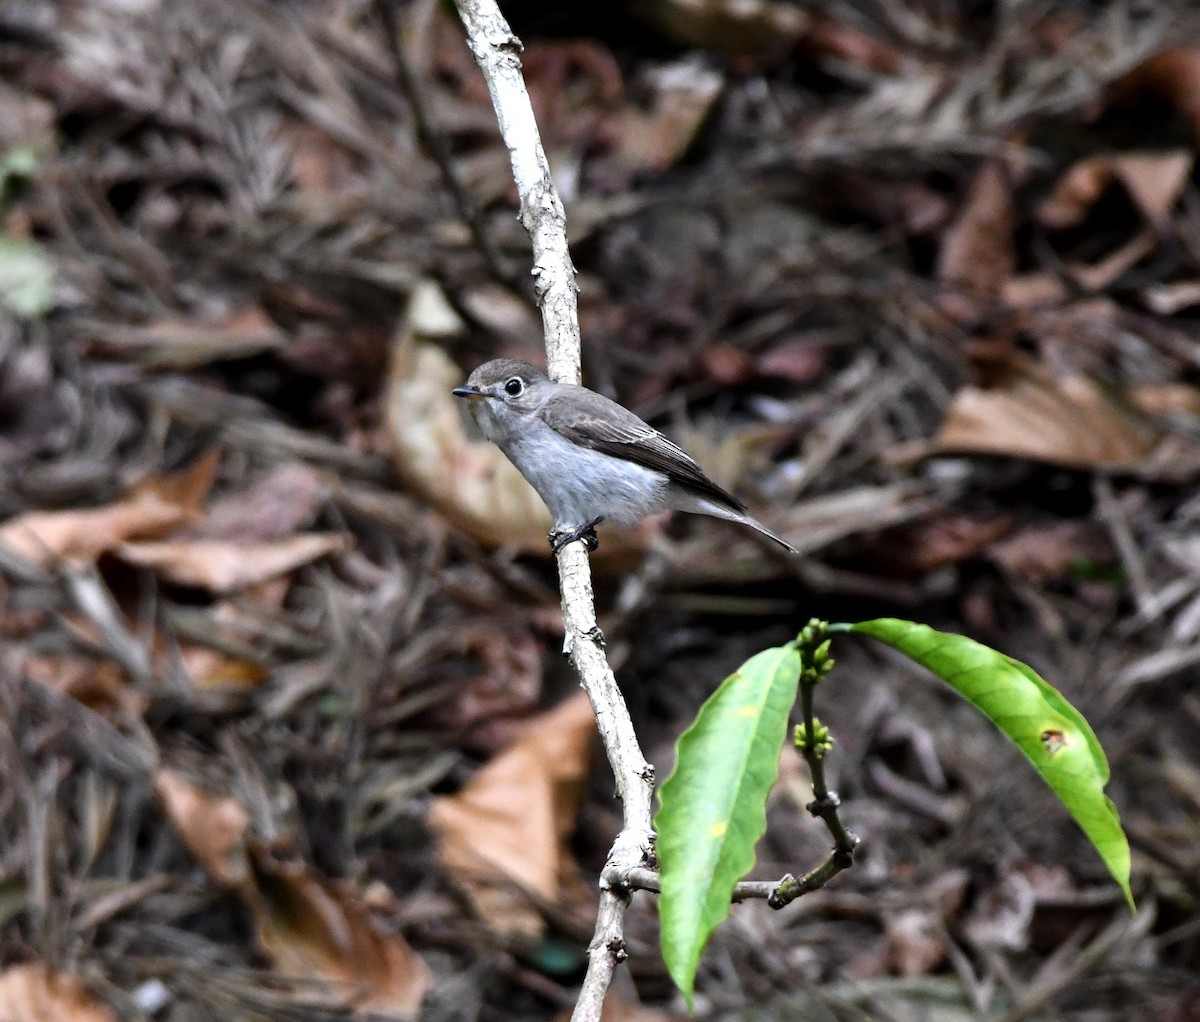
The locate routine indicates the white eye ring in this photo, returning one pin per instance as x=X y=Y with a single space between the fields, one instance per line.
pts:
x=514 y=386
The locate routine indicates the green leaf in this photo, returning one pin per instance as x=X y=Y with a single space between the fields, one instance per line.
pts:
x=713 y=806
x=1034 y=715
x=26 y=277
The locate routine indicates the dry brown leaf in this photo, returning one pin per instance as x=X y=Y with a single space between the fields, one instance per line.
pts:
x=749 y=26
x=209 y=669
x=916 y=943
x=276 y=505
x=1031 y=413
x=977 y=251
x=321 y=167
x=1049 y=551
x=491 y=709
x=225 y=567
x=316 y=928
x=36 y=993
x=801 y=358
x=310 y=926
x=1172 y=76
x=212 y=826
x=99 y=685
x=151 y=509
x=1076 y=192
x=926 y=546
x=499 y=311
x=1154 y=181
x=684 y=94
x=509 y=825
x=726 y=364
x=848 y=43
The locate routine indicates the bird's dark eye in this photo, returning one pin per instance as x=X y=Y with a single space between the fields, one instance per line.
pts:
x=514 y=387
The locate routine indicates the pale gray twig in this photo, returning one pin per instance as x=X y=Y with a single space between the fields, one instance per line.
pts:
x=497 y=51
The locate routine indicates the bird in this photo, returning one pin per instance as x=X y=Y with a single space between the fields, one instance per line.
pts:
x=590 y=459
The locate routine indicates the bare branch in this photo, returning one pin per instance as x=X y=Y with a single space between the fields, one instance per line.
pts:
x=497 y=52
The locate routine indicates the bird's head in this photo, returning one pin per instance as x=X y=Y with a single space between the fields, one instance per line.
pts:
x=503 y=392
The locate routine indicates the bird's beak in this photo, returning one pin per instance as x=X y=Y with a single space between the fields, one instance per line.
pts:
x=470 y=393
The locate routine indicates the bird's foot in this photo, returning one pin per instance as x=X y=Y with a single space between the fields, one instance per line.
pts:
x=586 y=532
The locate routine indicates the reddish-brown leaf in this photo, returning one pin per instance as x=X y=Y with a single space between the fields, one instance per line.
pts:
x=212 y=826
x=1031 y=413
x=1153 y=180
x=316 y=928
x=151 y=509
x=977 y=252
x=225 y=567
x=503 y=837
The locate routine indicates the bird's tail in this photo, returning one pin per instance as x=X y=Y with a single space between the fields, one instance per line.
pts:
x=758 y=526
x=734 y=513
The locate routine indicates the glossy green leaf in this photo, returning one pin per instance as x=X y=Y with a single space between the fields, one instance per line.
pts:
x=713 y=806
x=1033 y=714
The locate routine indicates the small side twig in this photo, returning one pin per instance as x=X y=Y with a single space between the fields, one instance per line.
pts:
x=813 y=741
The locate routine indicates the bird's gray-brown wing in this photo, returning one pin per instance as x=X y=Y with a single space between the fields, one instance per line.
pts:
x=592 y=420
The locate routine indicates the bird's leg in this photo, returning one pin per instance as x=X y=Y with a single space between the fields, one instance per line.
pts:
x=586 y=532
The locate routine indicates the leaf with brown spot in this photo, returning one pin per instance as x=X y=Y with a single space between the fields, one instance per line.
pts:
x=151 y=509
x=508 y=827
x=226 y=567
x=313 y=927
x=212 y=826
x=36 y=993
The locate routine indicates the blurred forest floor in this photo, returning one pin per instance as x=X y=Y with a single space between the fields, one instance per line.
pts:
x=284 y=728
